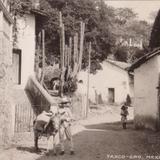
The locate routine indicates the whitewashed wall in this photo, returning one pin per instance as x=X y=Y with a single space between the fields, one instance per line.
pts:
x=6 y=117
x=110 y=77
x=145 y=83
x=26 y=42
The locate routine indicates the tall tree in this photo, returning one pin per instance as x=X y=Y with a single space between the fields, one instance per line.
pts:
x=155 y=38
x=123 y=15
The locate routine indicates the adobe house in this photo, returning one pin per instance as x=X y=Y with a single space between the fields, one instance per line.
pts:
x=109 y=85
x=29 y=25
x=23 y=58
x=147 y=91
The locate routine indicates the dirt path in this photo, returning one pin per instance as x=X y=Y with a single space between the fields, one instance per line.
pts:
x=101 y=138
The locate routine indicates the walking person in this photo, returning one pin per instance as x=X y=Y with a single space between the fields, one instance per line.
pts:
x=124 y=114
x=66 y=118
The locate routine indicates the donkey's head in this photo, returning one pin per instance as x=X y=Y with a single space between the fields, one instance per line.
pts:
x=55 y=122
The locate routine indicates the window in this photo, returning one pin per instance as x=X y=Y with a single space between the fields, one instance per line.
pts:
x=16 y=66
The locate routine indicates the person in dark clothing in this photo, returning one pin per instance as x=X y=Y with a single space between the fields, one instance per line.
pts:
x=124 y=114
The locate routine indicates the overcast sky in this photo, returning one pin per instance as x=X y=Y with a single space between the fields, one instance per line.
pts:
x=142 y=7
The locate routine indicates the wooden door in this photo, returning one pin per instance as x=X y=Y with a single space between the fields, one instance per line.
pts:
x=111 y=95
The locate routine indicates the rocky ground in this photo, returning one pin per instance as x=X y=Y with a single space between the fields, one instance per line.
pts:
x=100 y=137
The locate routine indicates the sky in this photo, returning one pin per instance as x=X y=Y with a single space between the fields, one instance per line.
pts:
x=142 y=7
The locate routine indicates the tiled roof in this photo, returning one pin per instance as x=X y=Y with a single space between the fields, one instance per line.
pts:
x=122 y=65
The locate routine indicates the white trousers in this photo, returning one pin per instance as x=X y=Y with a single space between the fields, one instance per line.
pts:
x=65 y=131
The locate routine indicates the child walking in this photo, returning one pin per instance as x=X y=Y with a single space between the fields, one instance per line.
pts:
x=124 y=114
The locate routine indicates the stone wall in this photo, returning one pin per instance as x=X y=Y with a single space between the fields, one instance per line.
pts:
x=39 y=97
x=6 y=106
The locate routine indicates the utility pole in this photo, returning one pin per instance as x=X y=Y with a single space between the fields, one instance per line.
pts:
x=89 y=68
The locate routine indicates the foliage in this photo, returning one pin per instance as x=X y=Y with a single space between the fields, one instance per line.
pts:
x=97 y=26
x=123 y=15
x=20 y=7
x=137 y=53
x=121 y=54
x=127 y=27
x=70 y=86
x=104 y=25
x=155 y=39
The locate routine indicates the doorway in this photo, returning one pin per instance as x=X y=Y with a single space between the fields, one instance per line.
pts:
x=111 y=95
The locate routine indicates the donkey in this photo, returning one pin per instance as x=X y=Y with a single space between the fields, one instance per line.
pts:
x=47 y=130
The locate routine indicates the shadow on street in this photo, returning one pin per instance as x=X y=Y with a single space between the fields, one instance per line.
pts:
x=114 y=126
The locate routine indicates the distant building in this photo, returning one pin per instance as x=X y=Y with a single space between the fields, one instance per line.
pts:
x=112 y=84
x=130 y=42
x=147 y=91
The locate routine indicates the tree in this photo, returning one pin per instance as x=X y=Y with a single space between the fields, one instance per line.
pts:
x=155 y=38
x=19 y=7
x=123 y=15
x=104 y=25
x=97 y=26
x=136 y=53
x=127 y=28
x=121 y=54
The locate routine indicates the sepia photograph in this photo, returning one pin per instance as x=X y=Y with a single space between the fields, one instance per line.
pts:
x=79 y=80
